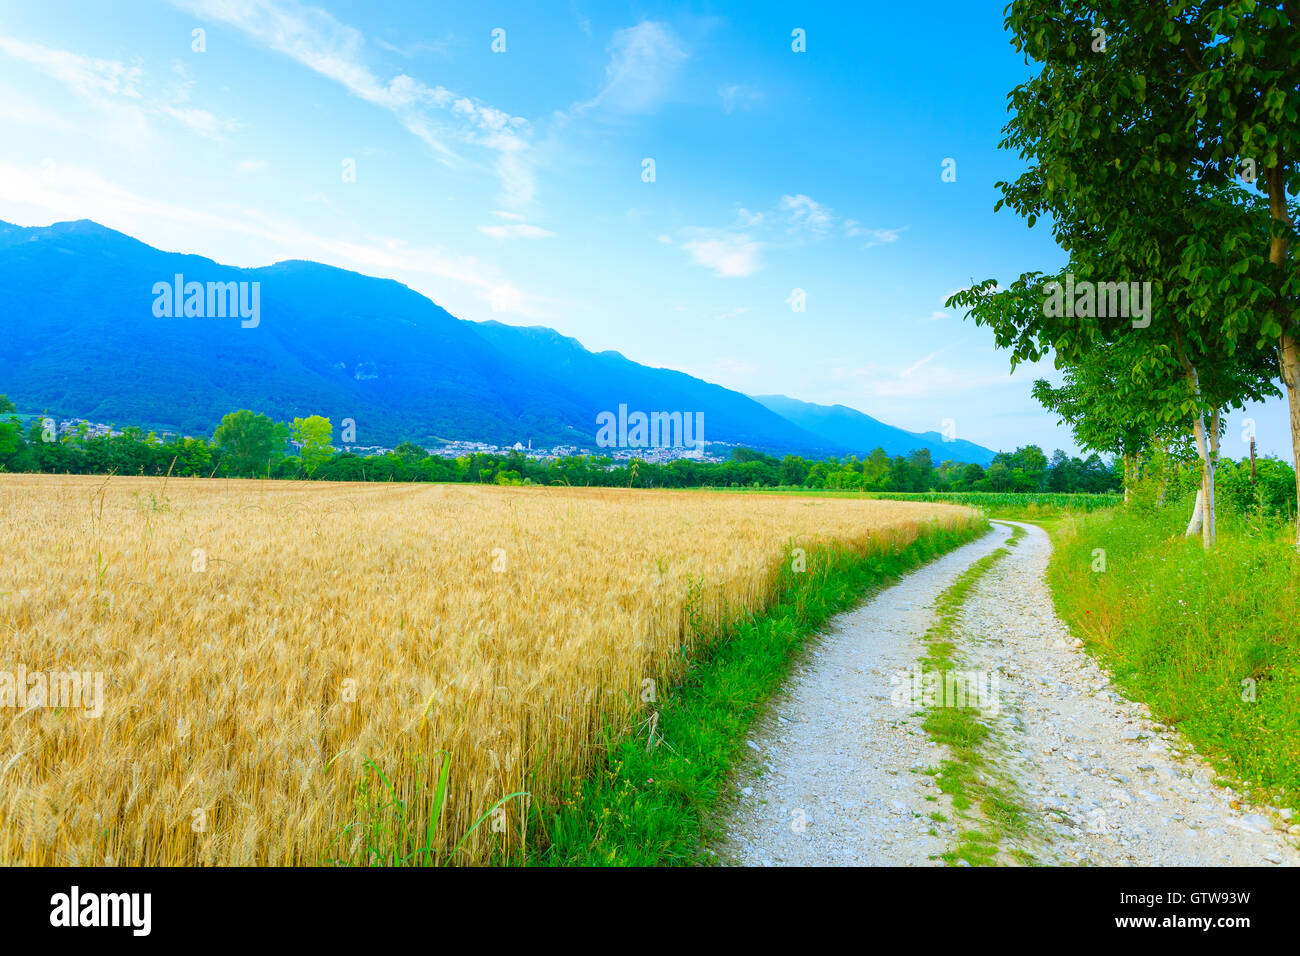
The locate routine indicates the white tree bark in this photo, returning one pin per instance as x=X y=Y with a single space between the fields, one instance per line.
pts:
x=1198 y=514
x=1207 y=456
x=1211 y=469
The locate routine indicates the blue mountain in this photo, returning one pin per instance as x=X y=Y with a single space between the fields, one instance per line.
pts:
x=82 y=338
x=842 y=427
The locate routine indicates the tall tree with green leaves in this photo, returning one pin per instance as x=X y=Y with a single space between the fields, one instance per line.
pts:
x=1117 y=163
x=1097 y=399
x=11 y=433
x=1184 y=115
x=313 y=435
x=249 y=443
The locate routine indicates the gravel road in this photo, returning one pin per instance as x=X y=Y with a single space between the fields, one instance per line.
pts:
x=837 y=770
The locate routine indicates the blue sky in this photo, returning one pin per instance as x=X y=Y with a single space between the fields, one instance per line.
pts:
x=509 y=185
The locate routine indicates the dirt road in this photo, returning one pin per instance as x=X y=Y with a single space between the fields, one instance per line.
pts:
x=842 y=773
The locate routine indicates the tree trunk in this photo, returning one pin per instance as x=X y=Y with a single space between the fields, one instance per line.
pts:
x=1198 y=513
x=1205 y=497
x=1288 y=348
x=1128 y=479
x=1211 y=469
x=1207 y=493
x=1291 y=376
x=1203 y=449
x=1164 y=474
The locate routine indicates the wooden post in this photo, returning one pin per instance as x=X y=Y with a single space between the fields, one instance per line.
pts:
x=1252 y=460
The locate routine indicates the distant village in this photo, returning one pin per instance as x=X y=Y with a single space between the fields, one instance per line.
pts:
x=716 y=450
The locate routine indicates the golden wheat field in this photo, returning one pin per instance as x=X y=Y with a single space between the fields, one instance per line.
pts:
x=259 y=641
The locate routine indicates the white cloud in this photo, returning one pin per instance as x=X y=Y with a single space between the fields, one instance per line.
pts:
x=875 y=237
x=86 y=76
x=924 y=361
x=434 y=114
x=877 y=381
x=805 y=212
x=116 y=90
x=418 y=47
x=728 y=255
x=738 y=96
x=519 y=230
x=731 y=313
x=66 y=191
x=247 y=166
x=796 y=219
x=16 y=108
x=643 y=64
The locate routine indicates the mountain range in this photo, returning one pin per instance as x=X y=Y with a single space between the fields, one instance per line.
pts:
x=84 y=337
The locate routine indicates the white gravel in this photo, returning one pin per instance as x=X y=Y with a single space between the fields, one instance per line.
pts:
x=836 y=776
x=836 y=749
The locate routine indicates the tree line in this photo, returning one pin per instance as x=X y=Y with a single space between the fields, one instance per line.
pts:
x=1161 y=143
x=247 y=444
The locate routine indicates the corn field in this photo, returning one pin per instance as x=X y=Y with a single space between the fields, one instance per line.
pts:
x=300 y=674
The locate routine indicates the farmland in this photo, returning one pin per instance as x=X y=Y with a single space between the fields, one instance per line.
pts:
x=357 y=673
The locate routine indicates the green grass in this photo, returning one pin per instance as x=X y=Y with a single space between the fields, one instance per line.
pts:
x=981 y=794
x=1195 y=635
x=991 y=502
x=1019 y=502
x=650 y=803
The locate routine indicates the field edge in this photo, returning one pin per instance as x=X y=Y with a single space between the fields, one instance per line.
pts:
x=652 y=802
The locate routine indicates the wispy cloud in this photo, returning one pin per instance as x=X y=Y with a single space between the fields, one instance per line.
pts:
x=517 y=230
x=875 y=237
x=924 y=361
x=67 y=191
x=738 y=96
x=417 y=48
x=795 y=220
x=728 y=255
x=804 y=212
x=879 y=381
x=121 y=92
x=643 y=64
x=442 y=119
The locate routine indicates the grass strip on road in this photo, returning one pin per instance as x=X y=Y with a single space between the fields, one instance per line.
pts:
x=982 y=796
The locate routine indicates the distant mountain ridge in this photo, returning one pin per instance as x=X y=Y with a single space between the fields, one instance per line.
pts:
x=844 y=427
x=82 y=338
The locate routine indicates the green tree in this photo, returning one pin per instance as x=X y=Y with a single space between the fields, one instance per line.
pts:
x=313 y=435
x=11 y=433
x=249 y=443
x=410 y=452
x=1146 y=146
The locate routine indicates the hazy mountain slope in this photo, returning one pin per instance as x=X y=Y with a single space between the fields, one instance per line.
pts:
x=849 y=428
x=81 y=338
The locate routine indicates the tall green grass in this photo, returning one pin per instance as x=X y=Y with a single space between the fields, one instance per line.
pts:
x=652 y=800
x=1210 y=640
x=1020 y=502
